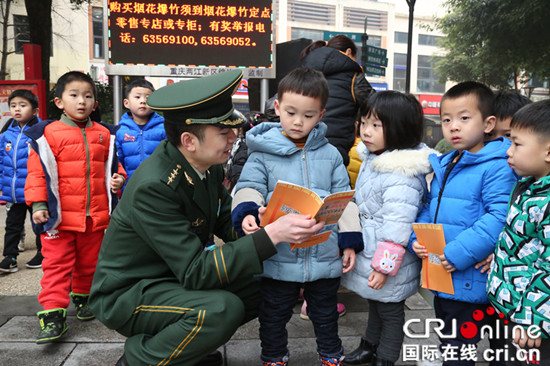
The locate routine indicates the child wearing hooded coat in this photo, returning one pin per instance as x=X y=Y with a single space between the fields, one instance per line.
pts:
x=390 y=191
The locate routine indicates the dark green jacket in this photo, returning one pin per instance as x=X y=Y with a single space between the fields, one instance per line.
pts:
x=160 y=231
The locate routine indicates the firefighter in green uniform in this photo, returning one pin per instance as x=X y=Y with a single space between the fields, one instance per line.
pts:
x=160 y=280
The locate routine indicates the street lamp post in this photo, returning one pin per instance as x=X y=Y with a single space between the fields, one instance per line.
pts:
x=409 y=45
x=364 y=50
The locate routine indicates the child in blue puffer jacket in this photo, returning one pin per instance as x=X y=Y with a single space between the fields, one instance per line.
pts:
x=468 y=196
x=296 y=151
x=140 y=130
x=14 y=152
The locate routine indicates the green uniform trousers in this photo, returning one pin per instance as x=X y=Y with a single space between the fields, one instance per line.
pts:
x=175 y=326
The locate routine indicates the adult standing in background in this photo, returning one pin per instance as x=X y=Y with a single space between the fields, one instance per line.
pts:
x=348 y=88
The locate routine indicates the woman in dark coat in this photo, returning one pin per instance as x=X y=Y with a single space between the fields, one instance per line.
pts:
x=348 y=88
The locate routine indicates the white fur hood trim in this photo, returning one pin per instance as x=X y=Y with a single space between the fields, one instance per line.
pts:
x=409 y=163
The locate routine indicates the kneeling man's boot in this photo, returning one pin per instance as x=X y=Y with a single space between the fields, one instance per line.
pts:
x=212 y=359
x=362 y=355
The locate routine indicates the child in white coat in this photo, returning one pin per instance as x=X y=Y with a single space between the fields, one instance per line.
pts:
x=390 y=191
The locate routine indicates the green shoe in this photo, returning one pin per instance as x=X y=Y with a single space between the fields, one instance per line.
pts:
x=53 y=325
x=80 y=302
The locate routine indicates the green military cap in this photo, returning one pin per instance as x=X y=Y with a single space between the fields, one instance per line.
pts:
x=205 y=100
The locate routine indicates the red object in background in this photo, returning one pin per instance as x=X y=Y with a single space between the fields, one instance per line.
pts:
x=33 y=62
x=38 y=87
x=430 y=103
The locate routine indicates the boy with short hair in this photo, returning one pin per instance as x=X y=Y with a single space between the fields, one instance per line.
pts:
x=72 y=185
x=14 y=152
x=505 y=104
x=296 y=151
x=468 y=197
x=519 y=276
x=141 y=129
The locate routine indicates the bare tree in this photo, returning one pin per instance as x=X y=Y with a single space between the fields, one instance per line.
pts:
x=5 y=16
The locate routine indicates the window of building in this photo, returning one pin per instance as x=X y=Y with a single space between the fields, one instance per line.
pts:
x=376 y=20
x=312 y=34
x=21 y=32
x=427 y=79
x=311 y=13
x=399 y=71
x=401 y=37
x=427 y=40
x=97 y=31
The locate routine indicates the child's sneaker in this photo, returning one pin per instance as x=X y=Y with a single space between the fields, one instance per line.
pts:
x=9 y=265
x=80 y=302
x=53 y=325
x=341 y=308
x=36 y=261
x=279 y=363
x=331 y=361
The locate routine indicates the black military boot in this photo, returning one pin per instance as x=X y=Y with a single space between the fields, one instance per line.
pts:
x=212 y=359
x=80 y=302
x=380 y=362
x=53 y=325
x=122 y=361
x=362 y=355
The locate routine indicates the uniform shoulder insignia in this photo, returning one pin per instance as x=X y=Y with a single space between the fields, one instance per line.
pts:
x=189 y=180
x=173 y=175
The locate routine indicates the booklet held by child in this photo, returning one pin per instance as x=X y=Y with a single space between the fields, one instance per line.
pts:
x=291 y=198
x=434 y=276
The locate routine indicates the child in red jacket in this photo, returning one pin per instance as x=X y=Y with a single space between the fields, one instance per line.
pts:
x=73 y=178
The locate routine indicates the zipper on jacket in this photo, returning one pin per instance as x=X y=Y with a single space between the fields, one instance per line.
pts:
x=308 y=249
x=141 y=143
x=87 y=172
x=450 y=167
x=14 y=161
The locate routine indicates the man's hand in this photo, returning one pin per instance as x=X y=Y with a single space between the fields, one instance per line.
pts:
x=40 y=216
x=420 y=250
x=116 y=183
x=293 y=228
x=446 y=264
x=525 y=340
x=249 y=224
x=485 y=264
x=377 y=280
x=348 y=261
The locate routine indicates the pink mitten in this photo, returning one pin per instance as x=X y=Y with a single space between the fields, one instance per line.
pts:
x=388 y=258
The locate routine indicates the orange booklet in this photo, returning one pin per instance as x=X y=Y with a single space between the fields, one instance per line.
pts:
x=291 y=198
x=434 y=276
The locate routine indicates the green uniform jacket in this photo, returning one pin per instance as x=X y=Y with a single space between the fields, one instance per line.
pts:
x=519 y=279
x=158 y=233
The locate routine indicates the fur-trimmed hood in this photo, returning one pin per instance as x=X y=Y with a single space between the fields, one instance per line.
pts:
x=407 y=162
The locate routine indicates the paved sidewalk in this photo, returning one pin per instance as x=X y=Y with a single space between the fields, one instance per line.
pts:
x=91 y=344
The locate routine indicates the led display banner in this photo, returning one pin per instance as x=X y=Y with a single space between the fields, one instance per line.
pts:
x=189 y=38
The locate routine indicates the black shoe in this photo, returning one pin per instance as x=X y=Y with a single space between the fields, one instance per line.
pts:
x=122 y=361
x=36 y=261
x=9 y=265
x=213 y=359
x=362 y=355
x=80 y=302
x=379 y=362
x=53 y=325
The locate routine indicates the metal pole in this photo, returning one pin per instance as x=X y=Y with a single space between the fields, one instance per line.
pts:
x=117 y=97
x=409 y=45
x=364 y=48
x=264 y=91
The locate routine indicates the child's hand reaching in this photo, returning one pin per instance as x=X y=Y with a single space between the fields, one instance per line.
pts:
x=348 y=261
x=446 y=264
x=377 y=280
x=40 y=216
x=525 y=340
x=116 y=183
x=249 y=224
x=485 y=264
x=420 y=250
